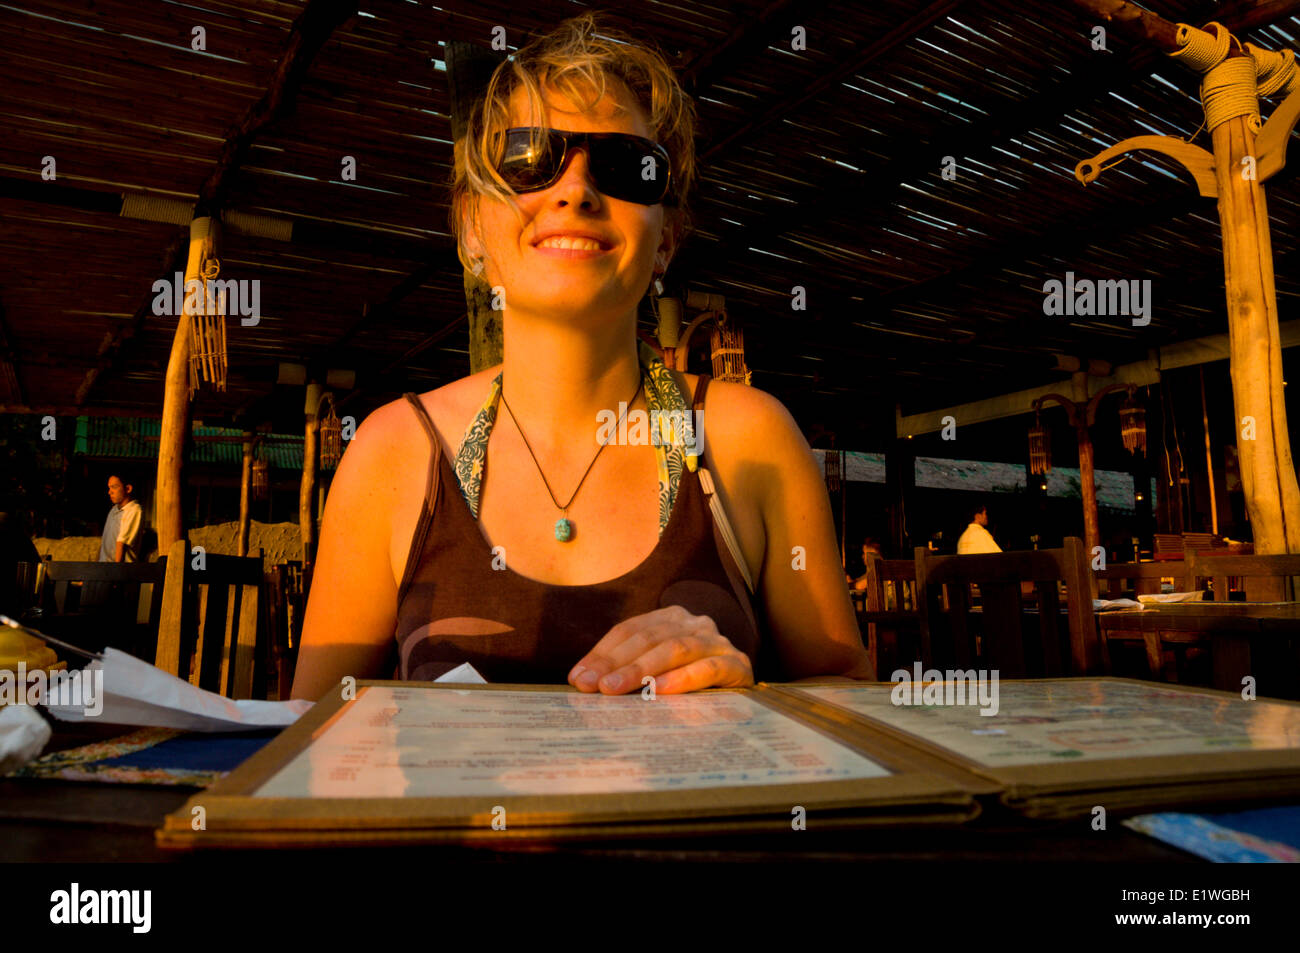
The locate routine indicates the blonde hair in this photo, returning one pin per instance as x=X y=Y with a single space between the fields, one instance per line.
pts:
x=577 y=58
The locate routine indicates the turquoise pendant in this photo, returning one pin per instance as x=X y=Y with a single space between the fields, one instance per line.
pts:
x=563 y=529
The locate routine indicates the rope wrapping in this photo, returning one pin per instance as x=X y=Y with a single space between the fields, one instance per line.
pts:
x=1228 y=91
x=1201 y=50
x=1276 y=71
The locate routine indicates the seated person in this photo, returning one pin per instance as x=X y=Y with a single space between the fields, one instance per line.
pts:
x=488 y=521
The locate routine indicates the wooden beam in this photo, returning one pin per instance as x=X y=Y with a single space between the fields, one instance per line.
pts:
x=309 y=33
x=1204 y=350
x=752 y=35
x=1132 y=21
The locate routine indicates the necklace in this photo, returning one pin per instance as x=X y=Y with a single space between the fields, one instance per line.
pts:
x=564 y=526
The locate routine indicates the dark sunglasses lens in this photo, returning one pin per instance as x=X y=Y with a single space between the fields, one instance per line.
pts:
x=628 y=168
x=526 y=168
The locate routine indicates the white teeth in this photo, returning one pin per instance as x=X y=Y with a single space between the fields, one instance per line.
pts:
x=566 y=241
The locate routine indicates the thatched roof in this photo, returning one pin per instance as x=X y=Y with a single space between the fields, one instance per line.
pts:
x=822 y=168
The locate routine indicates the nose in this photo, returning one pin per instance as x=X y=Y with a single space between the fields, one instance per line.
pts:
x=575 y=186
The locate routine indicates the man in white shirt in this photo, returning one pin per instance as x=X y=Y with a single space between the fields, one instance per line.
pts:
x=122 y=527
x=977 y=538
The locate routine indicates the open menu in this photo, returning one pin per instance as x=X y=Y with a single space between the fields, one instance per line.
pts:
x=403 y=761
x=1061 y=747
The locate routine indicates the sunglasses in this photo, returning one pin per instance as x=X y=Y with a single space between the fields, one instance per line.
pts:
x=622 y=166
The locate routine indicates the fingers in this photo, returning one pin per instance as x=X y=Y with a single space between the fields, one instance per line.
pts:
x=716 y=671
x=629 y=639
x=673 y=652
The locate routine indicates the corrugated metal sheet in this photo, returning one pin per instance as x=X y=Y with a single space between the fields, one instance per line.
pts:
x=133 y=438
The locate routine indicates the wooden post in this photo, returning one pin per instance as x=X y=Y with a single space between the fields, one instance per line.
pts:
x=307 y=491
x=486 y=337
x=245 y=493
x=204 y=231
x=1088 y=486
x=1263 y=442
x=900 y=483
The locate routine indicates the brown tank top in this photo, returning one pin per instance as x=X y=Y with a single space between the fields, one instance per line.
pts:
x=454 y=607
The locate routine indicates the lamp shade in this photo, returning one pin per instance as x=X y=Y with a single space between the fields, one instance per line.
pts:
x=1133 y=426
x=1040 y=448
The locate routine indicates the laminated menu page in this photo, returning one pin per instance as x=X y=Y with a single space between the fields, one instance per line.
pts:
x=1061 y=747
x=401 y=761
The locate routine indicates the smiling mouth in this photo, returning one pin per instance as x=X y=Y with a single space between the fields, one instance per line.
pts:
x=570 y=243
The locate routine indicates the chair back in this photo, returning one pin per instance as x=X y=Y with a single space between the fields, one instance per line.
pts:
x=1058 y=644
x=1114 y=581
x=1267 y=578
x=285 y=598
x=212 y=630
x=890 y=611
x=97 y=605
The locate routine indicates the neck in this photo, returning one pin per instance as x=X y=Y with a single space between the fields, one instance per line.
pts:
x=557 y=378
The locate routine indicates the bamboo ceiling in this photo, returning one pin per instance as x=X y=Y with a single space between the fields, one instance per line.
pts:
x=820 y=169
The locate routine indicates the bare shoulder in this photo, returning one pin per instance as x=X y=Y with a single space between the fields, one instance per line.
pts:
x=395 y=429
x=744 y=424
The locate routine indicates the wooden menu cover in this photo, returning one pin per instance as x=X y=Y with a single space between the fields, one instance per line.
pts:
x=409 y=762
x=1060 y=747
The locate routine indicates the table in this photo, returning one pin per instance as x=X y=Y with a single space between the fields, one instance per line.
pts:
x=1231 y=629
x=67 y=821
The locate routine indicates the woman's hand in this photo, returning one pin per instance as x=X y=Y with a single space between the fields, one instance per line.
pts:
x=682 y=652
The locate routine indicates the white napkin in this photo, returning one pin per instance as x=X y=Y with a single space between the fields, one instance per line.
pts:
x=1166 y=597
x=1104 y=605
x=463 y=674
x=23 y=735
x=137 y=693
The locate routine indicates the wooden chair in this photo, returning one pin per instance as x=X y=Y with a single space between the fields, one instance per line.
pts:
x=286 y=599
x=891 y=588
x=1113 y=582
x=1267 y=578
x=212 y=630
x=96 y=605
x=1062 y=645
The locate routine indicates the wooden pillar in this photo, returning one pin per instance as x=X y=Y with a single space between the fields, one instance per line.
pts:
x=204 y=235
x=1267 y=470
x=245 y=494
x=900 y=481
x=1088 y=487
x=307 y=490
x=486 y=338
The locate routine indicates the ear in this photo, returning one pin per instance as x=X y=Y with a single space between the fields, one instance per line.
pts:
x=667 y=245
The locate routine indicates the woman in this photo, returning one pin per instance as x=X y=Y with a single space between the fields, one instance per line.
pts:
x=525 y=542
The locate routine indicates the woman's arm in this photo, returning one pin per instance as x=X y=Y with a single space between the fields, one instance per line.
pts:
x=352 y=609
x=801 y=584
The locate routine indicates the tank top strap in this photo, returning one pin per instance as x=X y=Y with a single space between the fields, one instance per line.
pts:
x=701 y=385
x=431 y=487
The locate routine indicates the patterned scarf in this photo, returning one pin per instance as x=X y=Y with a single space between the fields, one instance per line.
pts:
x=673 y=437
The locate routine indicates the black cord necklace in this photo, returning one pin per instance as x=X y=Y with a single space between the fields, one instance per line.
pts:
x=564 y=526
